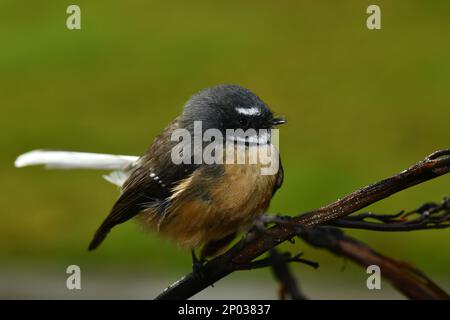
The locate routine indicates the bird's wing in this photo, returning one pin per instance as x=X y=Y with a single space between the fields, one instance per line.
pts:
x=150 y=184
x=280 y=178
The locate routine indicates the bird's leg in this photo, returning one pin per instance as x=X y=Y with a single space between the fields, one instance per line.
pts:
x=197 y=264
x=215 y=247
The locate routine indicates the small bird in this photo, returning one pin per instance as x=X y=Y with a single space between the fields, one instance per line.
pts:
x=197 y=205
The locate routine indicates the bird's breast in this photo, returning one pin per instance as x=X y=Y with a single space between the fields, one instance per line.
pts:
x=217 y=200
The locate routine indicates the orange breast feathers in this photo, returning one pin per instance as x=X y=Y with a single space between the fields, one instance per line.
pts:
x=215 y=201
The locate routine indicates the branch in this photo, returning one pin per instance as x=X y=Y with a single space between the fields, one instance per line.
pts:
x=275 y=259
x=282 y=272
x=410 y=281
x=279 y=263
x=428 y=216
x=245 y=251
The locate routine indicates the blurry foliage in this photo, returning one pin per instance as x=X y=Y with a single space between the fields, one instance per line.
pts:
x=361 y=106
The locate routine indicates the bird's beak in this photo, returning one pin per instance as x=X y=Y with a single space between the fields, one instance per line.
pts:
x=278 y=121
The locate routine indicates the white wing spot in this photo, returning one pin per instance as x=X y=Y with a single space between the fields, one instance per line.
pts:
x=157 y=179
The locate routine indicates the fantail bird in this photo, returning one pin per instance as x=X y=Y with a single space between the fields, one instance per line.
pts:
x=194 y=204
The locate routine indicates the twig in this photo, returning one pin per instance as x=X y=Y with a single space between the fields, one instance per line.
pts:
x=428 y=216
x=279 y=263
x=282 y=272
x=410 y=281
x=270 y=261
x=435 y=165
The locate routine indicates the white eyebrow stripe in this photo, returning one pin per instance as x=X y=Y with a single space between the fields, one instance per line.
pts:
x=248 y=111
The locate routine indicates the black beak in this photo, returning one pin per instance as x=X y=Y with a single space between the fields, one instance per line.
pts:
x=278 y=121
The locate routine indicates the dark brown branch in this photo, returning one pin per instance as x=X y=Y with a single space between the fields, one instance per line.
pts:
x=279 y=263
x=245 y=251
x=270 y=261
x=282 y=272
x=428 y=216
x=410 y=281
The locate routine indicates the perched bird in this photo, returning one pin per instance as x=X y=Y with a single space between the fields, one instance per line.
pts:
x=194 y=204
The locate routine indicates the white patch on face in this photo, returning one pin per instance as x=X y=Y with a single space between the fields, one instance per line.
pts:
x=262 y=138
x=253 y=111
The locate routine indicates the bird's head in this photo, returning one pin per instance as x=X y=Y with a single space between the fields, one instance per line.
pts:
x=229 y=107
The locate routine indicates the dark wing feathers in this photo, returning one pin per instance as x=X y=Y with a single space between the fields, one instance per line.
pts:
x=131 y=202
x=141 y=190
x=280 y=178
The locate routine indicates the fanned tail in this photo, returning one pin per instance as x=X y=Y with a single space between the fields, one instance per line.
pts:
x=80 y=160
x=74 y=160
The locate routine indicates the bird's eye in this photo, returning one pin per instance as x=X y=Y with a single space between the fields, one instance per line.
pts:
x=243 y=122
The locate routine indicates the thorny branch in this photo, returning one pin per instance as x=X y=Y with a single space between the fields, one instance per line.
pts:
x=245 y=251
x=427 y=216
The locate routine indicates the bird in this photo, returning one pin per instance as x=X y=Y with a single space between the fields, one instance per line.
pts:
x=196 y=205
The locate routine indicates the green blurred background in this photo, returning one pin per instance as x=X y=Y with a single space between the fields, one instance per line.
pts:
x=361 y=104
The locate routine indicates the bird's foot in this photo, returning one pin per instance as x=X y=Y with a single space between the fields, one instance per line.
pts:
x=198 y=265
x=261 y=223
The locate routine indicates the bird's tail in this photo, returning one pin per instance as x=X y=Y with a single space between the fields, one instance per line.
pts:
x=74 y=160
x=99 y=236
x=80 y=160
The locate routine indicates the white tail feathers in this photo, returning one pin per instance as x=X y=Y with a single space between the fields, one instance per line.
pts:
x=117 y=177
x=74 y=160
x=80 y=160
